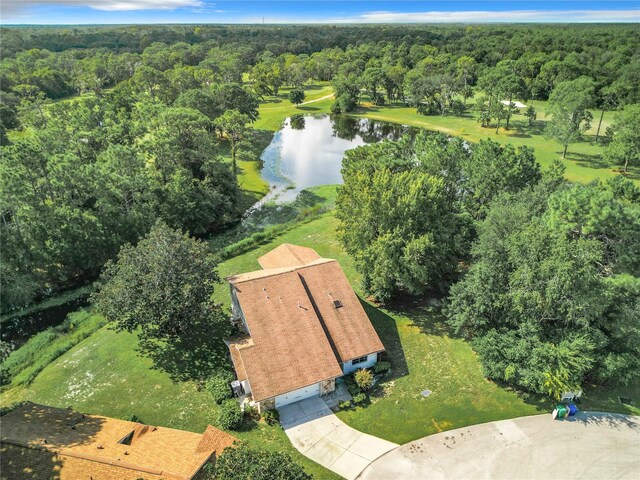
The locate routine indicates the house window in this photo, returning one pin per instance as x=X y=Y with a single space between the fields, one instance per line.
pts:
x=355 y=361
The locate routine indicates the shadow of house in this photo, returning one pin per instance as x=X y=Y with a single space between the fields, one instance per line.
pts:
x=387 y=330
x=41 y=442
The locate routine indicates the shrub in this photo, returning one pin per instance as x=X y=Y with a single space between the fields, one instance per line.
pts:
x=381 y=367
x=5 y=376
x=360 y=398
x=363 y=378
x=230 y=415
x=244 y=462
x=251 y=412
x=272 y=417
x=134 y=418
x=344 y=405
x=352 y=386
x=218 y=386
x=457 y=107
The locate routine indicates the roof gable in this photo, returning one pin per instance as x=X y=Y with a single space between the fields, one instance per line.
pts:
x=288 y=255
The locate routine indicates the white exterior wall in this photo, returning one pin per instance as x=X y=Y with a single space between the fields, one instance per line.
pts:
x=348 y=367
x=245 y=386
x=297 y=395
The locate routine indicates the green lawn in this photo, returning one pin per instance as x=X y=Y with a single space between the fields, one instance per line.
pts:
x=275 y=109
x=583 y=162
x=104 y=374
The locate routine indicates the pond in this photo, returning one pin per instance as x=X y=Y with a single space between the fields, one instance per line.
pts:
x=309 y=149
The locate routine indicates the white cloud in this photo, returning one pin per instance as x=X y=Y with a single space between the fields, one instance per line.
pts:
x=513 y=16
x=20 y=7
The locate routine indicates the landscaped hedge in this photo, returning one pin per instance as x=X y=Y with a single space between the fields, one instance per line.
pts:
x=268 y=234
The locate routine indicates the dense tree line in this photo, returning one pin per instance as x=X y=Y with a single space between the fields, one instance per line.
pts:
x=543 y=276
x=97 y=171
x=552 y=297
x=429 y=67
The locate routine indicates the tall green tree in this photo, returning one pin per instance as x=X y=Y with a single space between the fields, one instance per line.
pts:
x=552 y=287
x=624 y=148
x=296 y=96
x=161 y=289
x=569 y=105
x=235 y=126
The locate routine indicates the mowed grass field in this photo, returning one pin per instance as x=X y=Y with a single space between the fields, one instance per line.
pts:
x=584 y=161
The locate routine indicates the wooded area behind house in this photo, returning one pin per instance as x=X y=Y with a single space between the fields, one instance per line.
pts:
x=108 y=131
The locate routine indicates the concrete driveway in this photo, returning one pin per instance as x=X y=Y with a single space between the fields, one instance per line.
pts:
x=588 y=446
x=321 y=436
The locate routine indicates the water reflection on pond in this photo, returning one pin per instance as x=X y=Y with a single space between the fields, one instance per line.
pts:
x=308 y=150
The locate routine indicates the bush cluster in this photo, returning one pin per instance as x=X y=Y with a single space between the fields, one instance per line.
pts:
x=381 y=368
x=272 y=417
x=363 y=378
x=352 y=386
x=258 y=238
x=218 y=386
x=230 y=416
x=360 y=398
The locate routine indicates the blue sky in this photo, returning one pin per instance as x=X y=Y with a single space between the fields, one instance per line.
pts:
x=317 y=11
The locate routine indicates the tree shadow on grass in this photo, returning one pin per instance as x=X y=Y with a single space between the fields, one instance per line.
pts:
x=615 y=421
x=196 y=355
x=425 y=311
x=588 y=160
x=387 y=330
x=307 y=108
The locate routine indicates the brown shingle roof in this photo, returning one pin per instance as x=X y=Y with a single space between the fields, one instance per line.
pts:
x=287 y=255
x=298 y=335
x=348 y=325
x=290 y=349
x=78 y=443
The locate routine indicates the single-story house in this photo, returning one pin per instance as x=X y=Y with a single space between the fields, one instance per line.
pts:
x=37 y=441
x=303 y=326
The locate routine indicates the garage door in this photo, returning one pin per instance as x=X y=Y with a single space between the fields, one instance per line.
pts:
x=297 y=395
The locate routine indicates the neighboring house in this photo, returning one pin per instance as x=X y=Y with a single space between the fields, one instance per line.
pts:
x=304 y=327
x=46 y=442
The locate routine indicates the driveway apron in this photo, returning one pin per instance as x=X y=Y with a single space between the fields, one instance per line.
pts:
x=321 y=436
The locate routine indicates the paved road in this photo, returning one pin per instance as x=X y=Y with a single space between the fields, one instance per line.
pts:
x=588 y=446
x=321 y=436
x=303 y=103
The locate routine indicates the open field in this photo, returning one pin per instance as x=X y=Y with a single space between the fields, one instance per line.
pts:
x=584 y=162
